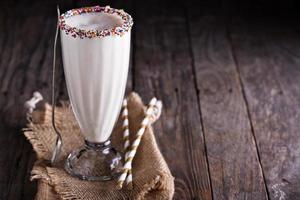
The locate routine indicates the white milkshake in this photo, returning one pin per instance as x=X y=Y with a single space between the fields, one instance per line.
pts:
x=95 y=47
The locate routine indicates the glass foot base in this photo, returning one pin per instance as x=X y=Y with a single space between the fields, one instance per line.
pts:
x=95 y=162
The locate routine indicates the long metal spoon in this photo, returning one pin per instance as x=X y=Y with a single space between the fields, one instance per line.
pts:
x=58 y=143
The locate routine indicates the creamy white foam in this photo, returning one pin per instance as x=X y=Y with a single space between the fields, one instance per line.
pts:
x=94 y=21
x=96 y=73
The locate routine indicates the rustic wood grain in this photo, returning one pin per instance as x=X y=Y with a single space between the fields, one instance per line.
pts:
x=163 y=69
x=268 y=56
x=26 y=51
x=204 y=73
x=231 y=149
x=15 y=158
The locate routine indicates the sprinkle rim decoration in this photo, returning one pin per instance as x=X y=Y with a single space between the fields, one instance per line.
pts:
x=81 y=33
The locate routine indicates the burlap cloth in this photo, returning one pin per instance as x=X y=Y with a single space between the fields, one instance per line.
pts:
x=151 y=176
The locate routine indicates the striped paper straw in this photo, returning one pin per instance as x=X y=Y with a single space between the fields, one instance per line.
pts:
x=135 y=144
x=125 y=126
x=126 y=140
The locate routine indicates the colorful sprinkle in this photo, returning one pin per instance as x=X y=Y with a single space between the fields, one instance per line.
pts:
x=77 y=32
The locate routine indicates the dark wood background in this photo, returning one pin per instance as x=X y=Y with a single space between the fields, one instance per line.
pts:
x=228 y=73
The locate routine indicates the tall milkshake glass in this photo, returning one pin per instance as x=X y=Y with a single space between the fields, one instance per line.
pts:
x=95 y=48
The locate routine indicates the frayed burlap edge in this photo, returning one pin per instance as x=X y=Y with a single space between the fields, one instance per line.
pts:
x=161 y=185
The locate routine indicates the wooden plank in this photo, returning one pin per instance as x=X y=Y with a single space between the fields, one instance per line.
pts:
x=268 y=57
x=26 y=44
x=17 y=154
x=15 y=159
x=28 y=40
x=163 y=69
x=27 y=51
x=233 y=161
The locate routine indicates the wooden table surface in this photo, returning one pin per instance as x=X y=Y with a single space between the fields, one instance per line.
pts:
x=230 y=86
